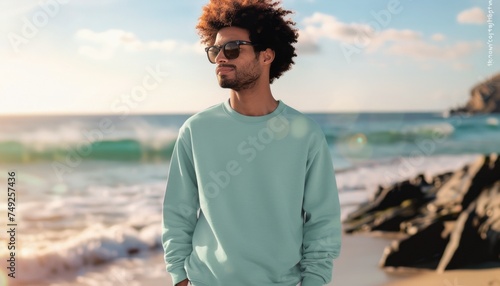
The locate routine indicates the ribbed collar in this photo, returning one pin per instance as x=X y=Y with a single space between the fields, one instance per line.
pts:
x=252 y=119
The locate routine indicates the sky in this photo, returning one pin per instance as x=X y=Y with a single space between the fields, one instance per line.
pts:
x=141 y=57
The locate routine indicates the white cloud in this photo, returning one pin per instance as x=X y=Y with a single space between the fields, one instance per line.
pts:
x=361 y=35
x=438 y=37
x=307 y=44
x=320 y=25
x=106 y=44
x=396 y=42
x=392 y=36
x=423 y=50
x=472 y=16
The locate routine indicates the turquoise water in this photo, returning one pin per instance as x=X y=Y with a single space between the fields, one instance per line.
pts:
x=90 y=188
x=354 y=138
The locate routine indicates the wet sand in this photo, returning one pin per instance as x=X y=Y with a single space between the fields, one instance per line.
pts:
x=356 y=266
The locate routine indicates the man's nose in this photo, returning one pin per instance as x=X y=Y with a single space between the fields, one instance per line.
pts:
x=221 y=58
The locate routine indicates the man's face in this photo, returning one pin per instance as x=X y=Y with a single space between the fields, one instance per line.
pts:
x=240 y=73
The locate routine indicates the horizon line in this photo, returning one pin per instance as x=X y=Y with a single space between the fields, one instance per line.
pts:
x=43 y=114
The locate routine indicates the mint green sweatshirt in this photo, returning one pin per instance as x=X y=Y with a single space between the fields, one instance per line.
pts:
x=251 y=200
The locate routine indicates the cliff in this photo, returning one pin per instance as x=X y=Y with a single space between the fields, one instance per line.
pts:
x=485 y=98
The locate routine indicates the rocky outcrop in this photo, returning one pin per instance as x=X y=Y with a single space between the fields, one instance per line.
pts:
x=485 y=98
x=450 y=222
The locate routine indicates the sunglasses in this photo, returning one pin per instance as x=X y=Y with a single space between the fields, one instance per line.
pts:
x=230 y=49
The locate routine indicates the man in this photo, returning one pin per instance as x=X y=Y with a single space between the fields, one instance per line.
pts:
x=251 y=197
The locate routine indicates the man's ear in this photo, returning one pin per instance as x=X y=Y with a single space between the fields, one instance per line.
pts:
x=267 y=56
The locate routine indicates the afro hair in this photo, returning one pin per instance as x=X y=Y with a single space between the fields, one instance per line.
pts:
x=263 y=19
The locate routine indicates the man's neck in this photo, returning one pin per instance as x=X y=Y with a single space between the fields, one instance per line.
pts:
x=253 y=102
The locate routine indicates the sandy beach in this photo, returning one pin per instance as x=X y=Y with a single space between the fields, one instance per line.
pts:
x=100 y=226
x=402 y=96
x=357 y=266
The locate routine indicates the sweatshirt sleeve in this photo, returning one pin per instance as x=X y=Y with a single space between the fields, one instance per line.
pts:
x=180 y=208
x=322 y=226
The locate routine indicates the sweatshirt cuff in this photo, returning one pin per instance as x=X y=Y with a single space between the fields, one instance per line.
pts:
x=178 y=275
x=311 y=281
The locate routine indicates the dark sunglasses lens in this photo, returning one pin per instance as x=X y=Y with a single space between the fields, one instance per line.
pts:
x=231 y=50
x=212 y=53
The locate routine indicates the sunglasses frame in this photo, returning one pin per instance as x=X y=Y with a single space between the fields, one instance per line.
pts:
x=223 y=49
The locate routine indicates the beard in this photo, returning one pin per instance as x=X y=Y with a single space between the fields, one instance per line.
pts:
x=242 y=79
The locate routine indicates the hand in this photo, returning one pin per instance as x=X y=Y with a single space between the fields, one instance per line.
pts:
x=183 y=283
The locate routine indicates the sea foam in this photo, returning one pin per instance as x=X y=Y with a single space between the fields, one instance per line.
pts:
x=102 y=224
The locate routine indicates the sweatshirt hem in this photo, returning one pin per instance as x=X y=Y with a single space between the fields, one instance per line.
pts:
x=197 y=283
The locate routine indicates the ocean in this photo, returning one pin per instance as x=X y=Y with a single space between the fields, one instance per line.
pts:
x=88 y=189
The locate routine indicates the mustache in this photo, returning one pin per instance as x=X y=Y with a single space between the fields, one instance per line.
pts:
x=226 y=66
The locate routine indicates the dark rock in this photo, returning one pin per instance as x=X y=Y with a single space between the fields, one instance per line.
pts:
x=393 y=206
x=389 y=207
x=465 y=246
x=485 y=98
x=421 y=250
x=451 y=222
x=487 y=176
